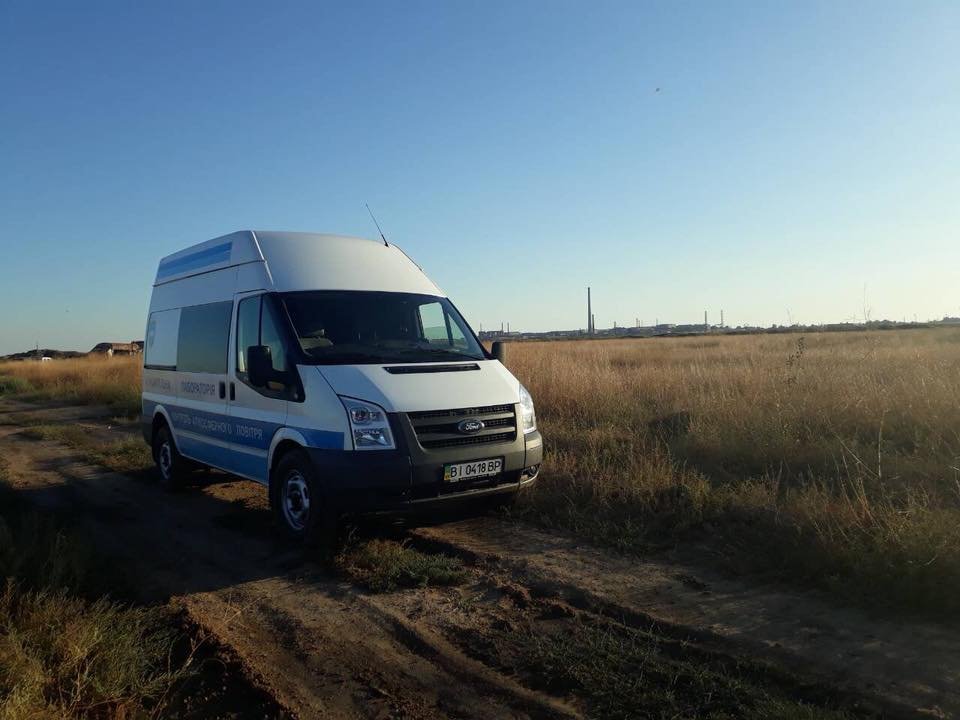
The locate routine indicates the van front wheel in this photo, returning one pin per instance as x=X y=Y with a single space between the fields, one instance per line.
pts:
x=299 y=504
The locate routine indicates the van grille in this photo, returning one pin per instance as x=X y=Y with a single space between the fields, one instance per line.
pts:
x=438 y=428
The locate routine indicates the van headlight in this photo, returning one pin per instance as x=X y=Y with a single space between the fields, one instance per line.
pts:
x=529 y=418
x=368 y=425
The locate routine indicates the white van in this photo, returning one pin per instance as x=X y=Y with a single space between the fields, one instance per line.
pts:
x=332 y=370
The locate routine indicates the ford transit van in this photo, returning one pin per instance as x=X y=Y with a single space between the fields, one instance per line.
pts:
x=333 y=371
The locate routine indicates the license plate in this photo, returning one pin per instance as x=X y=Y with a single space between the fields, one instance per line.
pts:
x=475 y=469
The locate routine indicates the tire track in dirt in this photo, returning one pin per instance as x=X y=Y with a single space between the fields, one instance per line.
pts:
x=910 y=666
x=313 y=641
x=323 y=648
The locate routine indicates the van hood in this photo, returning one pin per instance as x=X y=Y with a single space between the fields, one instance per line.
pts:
x=421 y=387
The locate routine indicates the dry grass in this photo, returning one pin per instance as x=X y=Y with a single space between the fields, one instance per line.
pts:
x=830 y=458
x=130 y=455
x=67 y=657
x=90 y=380
x=66 y=652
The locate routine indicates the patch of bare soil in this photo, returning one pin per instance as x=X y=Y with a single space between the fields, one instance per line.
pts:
x=910 y=665
x=543 y=627
x=313 y=641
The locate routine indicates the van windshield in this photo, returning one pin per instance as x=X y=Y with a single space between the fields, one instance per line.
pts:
x=359 y=327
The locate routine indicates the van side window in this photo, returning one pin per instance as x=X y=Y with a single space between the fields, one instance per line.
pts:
x=203 y=338
x=160 y=352
x=248 y=330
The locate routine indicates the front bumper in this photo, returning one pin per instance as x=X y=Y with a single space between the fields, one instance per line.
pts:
x=411 y=477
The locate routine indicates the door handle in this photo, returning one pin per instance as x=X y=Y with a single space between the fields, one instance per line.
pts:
x=223 y=389
x=233 y=391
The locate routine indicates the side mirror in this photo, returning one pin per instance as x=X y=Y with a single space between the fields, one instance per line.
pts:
x=259 y=365
x=499 y=351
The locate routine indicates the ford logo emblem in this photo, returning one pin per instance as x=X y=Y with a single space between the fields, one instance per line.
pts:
x=469 y=427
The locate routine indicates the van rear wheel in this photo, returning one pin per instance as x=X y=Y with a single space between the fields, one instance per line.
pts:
x=300 y=506
x=172 y=467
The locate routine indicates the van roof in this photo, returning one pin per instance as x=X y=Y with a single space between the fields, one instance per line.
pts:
x=302 y=261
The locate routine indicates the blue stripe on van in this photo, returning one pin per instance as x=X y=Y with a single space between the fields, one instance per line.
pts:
x=195 y=261
x=254 y=466
x=249 y=433
x=254 y=434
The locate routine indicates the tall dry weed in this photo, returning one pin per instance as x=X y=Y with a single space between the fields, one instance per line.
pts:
x=837 y=453
x=832 y=458
x=113 y=381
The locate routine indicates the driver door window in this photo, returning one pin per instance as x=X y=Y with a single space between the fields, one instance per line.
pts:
x=270 y=336
x=257 y=325
x=248 y=331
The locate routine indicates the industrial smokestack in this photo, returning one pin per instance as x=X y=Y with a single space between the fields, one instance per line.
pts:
x=706 y=325
x=589 y=314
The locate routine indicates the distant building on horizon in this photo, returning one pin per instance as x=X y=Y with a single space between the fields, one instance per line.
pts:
x=113 y=348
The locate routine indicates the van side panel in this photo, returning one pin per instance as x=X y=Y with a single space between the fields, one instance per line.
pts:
x=225 y=251
x=185 y=379
x=253 y=276
x=159 y=364
x=199 y=423
x=255 y=416
x=215 y=286
x=321 y=419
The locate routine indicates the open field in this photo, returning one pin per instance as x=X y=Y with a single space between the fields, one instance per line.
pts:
x=508 y=619
x=485 y=618
x=90 y=380
x=829 y=460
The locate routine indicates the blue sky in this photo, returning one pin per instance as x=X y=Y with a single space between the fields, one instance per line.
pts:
x=798 y=159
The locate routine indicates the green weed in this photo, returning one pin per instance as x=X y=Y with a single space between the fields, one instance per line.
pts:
x=10 y=385
x=384 y=565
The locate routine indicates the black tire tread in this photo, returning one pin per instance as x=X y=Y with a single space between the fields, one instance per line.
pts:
x=322 y=525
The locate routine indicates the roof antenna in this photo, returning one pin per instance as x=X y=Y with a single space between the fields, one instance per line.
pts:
x=377 y=224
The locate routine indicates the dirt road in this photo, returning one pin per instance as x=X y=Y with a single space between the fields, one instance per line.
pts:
x=325 y=648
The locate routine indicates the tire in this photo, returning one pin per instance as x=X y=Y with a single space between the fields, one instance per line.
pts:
x=172 y=467
x=300 y=506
